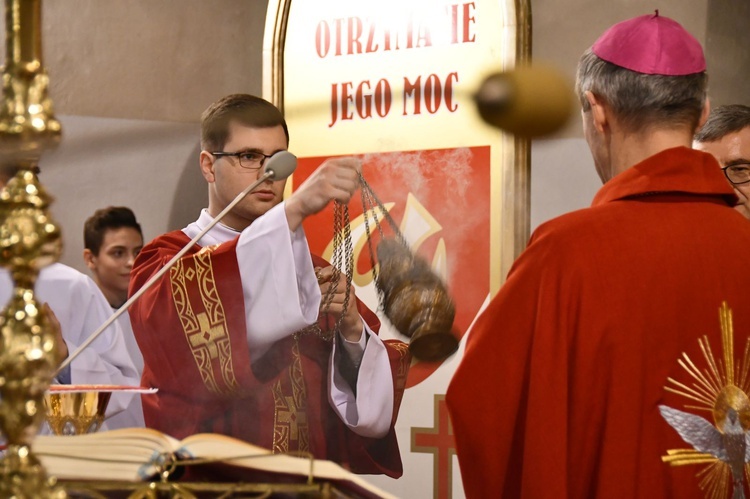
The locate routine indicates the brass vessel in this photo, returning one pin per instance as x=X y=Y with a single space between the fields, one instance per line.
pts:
x=416 y=301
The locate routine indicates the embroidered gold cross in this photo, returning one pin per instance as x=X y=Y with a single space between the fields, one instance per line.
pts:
x=294 y=417
x=207 y=335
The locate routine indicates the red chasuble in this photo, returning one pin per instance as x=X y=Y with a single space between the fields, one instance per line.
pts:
x=191 y=329
x=557 y=394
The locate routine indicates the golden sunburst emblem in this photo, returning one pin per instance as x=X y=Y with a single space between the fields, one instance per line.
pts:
x=720 y=388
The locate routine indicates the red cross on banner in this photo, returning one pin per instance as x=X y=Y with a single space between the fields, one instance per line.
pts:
x=439 y=442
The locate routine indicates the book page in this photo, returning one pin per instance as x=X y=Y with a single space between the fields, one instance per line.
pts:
x=124 y=454
x=133 y=454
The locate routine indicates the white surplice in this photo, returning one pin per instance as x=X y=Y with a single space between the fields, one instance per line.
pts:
x=81 y=308
x=134 y=414
x=130 y=344
x=282 y=296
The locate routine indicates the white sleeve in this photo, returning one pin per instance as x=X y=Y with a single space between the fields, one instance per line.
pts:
x=106 y=361
x=277 y=261
x=278 y=281
x=368 y=414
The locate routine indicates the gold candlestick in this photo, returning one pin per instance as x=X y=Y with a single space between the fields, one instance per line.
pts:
x=29 y=240
x=27 y=123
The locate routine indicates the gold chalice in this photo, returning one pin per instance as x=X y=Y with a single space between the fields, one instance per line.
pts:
x=76 y=409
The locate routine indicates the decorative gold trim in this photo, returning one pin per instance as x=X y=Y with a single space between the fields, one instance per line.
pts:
x=404 y=362
x=290 y=416
x=206 y=332
x=217 y=317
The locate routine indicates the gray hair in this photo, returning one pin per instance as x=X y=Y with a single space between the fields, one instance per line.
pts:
x=642 y=100
x=722 y=121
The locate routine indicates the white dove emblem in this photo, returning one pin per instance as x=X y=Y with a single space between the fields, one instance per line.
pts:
x=731 y=446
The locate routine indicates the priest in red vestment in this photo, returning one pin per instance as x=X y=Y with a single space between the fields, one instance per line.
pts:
x=229 y=334
x=567 y=373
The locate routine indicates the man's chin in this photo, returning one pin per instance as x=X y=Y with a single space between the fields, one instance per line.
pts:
x=258 y=209
x=744 y=209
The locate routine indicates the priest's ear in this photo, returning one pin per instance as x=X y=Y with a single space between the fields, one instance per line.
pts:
x=207 y=166
x=599 y=111
x=704 y=114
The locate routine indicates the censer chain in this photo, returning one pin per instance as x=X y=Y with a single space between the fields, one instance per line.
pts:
x=343 y=253
x=342 y=258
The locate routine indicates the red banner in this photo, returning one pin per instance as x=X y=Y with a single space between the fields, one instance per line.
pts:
x=440 y=200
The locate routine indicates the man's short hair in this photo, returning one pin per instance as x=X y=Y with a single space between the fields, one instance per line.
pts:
x=642 y=100
x=247 y=110
x=104 y=219
x=722 y=121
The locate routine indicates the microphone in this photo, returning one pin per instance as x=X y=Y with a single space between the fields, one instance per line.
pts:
x=529 y=101
x=281 y=165
x=278 y=167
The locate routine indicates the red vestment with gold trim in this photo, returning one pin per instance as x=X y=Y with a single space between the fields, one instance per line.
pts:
x=191 y=329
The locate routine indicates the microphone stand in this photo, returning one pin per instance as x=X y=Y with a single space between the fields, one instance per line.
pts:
x=268 y=174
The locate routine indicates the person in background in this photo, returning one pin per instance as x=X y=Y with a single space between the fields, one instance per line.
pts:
x=726 y=135
x=112 y=239
x=80 y=308
x=561 y=390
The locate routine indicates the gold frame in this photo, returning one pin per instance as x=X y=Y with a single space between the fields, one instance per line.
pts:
x=514 y=222
x=520 y=181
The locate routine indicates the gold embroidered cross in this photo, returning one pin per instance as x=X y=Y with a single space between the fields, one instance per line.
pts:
x=294 y=417
x=207 y=335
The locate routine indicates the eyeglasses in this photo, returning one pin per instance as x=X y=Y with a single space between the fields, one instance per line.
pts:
x=738 y=174
x=251 y=160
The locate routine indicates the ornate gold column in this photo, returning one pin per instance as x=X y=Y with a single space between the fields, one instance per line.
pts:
x=29 y=240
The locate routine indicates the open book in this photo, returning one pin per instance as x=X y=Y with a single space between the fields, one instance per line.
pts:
x=136 y=454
